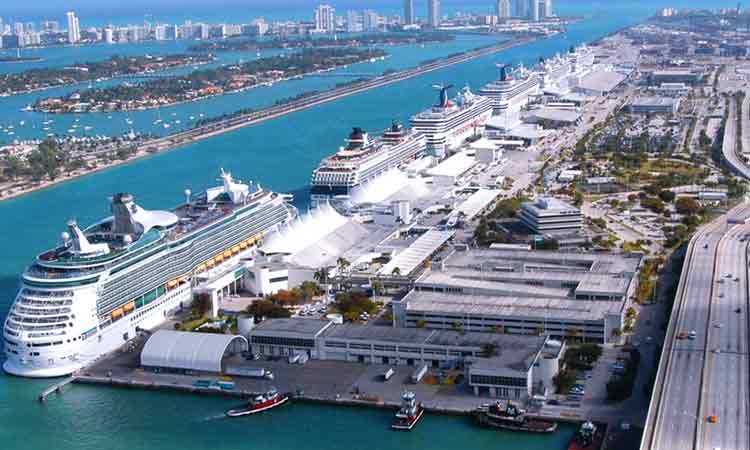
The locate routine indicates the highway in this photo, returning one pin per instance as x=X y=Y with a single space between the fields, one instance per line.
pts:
x=730 y=147
x=693 y=380
x=725 y=376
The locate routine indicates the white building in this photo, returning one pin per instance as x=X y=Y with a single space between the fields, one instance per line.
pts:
x=433 y=13
x=408 y=12
x=550 y=215
x=353 y=22
x=502 y=9
x=325 y=19
x=370 y=20
x=74 y=28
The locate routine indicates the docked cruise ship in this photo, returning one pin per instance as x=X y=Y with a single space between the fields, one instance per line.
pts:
x=364 y=159
x=101 y=285
x=562 y=73
x=510 y=94
x=449 y=122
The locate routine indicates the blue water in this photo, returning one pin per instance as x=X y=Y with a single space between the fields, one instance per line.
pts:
x=279 y=154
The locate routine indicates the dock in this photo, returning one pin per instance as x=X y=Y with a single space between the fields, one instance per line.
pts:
x=56 y=388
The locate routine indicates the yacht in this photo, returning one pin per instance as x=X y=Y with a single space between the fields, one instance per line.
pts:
x=95 y=290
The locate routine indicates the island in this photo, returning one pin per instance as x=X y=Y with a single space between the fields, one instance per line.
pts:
x=237 y=45
x=19 y=59
x=116 y=66
x=205 y=83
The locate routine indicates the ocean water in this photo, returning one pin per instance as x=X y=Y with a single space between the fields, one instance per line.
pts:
x=280 y=154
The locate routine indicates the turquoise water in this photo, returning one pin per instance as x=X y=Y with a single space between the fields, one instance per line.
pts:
x=280 y=154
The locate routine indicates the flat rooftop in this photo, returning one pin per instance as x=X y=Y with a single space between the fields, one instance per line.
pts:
x=510 y=306
x=514 y=352
x=555 y=114
x=600 y=80
x=454 y=166
x=296 y=326
x=550 y=205
x=477 y=202
x=653 y=102
x=593 y=262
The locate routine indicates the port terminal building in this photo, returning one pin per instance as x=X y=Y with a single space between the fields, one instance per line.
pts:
x=561 y=294
x=495 y=364
x=548 y=215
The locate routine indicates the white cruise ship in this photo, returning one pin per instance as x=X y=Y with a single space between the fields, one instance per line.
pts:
x=93 y=292
x=449 y=122
x=562 y=73
x=510 y=94
x=363 y=159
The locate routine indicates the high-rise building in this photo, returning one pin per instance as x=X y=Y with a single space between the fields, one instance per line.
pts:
x=18 y=28
x=521 y=8
x=109 y=35
x=160 y=32
x=533 y=10
x=29 y=27
x=50 y=26
x=325 y=18
x=370 y=20
x=353 y=21
x=433 y=13
x=545 y=8
x=502 y=9
x=408 y=12
x=74 y=28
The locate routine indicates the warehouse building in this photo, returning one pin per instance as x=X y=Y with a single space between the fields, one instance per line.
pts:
x=654 y=105
x=189 y=352
x=499 y=365
x=565 y=295
x=548 y=215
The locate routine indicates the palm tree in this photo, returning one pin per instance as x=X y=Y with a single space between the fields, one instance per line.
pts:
x=342 y=264
x=321 y=275
x=396 y=272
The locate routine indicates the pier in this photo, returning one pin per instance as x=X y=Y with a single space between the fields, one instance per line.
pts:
x=56 y=388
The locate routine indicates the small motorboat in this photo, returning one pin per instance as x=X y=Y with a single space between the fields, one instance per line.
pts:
x=261 y=402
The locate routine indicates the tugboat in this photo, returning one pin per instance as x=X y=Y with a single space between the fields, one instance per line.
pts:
x=261 y=402
x=587 y=437
x=409 y=414
x=512 y=418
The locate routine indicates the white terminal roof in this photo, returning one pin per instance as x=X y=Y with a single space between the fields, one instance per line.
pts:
x=653 y=101
x=454 y=166
x=410 y=258
x=602 y=81
x=187 y=350
x=477 y=202
x=550 y=205
x=556 y=114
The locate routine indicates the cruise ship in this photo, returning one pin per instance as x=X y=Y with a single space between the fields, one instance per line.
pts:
x=562 y=73
x=510 y=94
x=102 y=284
x=363 y=159
x=449 y=122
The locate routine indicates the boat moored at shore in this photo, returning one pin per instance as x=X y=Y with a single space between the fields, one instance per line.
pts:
x=509 y=416
x=409 y=413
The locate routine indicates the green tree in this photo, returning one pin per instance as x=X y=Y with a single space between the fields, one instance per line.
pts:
x=396 y=272
x=45 y=160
